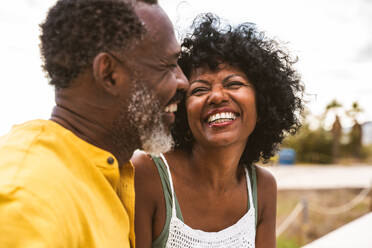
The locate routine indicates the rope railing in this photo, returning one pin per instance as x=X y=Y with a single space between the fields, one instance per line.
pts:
x=304 y=206
x=290 y=219
x=340 y=209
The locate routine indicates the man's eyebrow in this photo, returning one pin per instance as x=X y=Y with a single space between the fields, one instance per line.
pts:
x=173 y=57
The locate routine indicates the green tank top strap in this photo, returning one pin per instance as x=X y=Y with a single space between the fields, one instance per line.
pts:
x=161 y=240
x=253 y=178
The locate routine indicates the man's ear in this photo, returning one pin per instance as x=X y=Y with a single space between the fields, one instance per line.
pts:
x=109 y=73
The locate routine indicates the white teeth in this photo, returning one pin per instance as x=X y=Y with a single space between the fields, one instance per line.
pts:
x=171 y=108
x=220 y=117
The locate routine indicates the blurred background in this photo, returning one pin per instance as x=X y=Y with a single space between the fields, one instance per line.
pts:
x=324 y=174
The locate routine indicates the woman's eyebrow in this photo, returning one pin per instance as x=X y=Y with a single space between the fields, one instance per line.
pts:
x=199 y=81
x=231 y=76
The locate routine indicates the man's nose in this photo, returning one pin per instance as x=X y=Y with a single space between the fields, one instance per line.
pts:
x=182 y=81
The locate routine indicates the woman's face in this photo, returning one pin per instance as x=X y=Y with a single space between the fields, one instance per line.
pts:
x=221 y=106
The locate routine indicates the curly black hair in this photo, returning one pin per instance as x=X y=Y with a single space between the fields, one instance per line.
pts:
x=267 y=66
x=75 y=31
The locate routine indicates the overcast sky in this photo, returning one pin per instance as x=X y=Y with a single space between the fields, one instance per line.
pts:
x=331 y=38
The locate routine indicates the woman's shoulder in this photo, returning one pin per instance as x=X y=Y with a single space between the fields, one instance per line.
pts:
x=265 y=177
x=141 y=159
x=266 y=192
x=146 y=175
x=150 y=203
x=148 y=166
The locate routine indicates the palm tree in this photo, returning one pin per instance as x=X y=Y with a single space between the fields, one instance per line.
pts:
x=356 y=133
x=354 y=111
x=334 y=106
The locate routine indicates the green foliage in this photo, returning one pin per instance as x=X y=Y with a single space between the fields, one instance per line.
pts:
x=311 y=146
x=367 y=152
x=333 y=105
x=319 y=145
x=283 y=242
x=354 y=111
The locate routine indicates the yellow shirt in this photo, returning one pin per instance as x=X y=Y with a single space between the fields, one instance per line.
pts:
x=56 y=190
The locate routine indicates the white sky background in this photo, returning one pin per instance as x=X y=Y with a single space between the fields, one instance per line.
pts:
x=332 y=38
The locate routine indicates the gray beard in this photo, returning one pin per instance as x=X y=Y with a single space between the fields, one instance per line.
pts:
x=144 y=116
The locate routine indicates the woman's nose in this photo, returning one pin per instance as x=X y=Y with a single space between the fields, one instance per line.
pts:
x=218 y=95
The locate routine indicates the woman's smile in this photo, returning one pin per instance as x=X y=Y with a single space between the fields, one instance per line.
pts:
x=220 y=118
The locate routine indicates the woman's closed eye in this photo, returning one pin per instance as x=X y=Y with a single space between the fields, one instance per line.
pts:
x=235 y=84
x=199 y=90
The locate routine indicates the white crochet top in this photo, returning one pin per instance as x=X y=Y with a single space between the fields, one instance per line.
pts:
x=240 y=235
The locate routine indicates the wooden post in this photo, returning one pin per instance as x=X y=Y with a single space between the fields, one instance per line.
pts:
x=304 y=221
x=305 y=216
x=370 y=197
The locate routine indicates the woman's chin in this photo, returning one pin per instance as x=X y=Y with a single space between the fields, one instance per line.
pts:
x=221 y=140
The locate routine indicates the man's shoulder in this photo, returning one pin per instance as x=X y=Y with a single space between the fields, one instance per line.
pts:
x=14 y=147
x=22 y=179
x=27 y=152
x=22 y=135
x=48 y=185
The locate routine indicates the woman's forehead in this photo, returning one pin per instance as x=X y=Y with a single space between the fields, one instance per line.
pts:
x=206 y=71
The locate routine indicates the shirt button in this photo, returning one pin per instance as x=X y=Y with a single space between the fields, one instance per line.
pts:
x=110 y=160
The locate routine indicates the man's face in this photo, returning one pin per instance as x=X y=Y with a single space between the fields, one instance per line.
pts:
x=157 y=82
x=155 y=57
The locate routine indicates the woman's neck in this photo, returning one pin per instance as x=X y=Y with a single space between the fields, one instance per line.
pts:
x=217 y=167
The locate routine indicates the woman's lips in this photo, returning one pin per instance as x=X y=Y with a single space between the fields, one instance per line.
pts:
x=221 y=124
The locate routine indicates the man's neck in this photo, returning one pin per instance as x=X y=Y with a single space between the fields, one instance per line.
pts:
x=90 y=131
